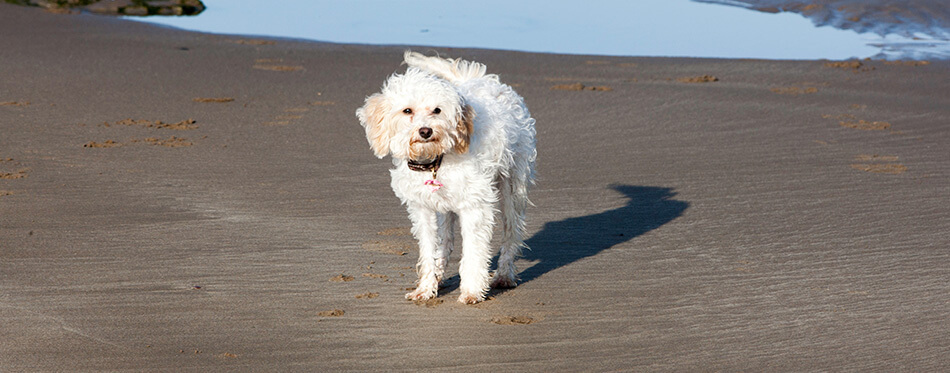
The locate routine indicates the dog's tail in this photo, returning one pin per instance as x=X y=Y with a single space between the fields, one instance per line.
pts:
x=456 y=71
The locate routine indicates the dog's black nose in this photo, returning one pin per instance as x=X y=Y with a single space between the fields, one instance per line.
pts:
x=425 y=132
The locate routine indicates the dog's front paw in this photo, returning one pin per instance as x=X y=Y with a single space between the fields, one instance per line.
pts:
x=421 y=294
x=470 y=298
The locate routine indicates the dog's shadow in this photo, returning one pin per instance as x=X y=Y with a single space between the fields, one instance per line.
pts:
x=563 y=242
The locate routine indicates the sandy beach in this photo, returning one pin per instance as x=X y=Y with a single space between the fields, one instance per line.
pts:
x=178 y=201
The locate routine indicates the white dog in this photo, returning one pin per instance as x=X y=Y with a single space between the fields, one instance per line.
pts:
x=461 y=141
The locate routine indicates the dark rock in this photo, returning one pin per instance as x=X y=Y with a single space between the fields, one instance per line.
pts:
x=122 y=7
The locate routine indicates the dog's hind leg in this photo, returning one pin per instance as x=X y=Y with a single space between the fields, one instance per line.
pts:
x=425 y=229
x=513 y=204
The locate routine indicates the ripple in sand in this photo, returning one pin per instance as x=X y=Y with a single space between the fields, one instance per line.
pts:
x=341 y=278
x=281 y=68
x=332 y=313
x=213 y=99
x=512 y=320
x=881 y=168
x=581 y=87
x=865 y=125
x=698 y=79
x=367 y=295
x=104 y=144
x=794 y=91
x=19 y=174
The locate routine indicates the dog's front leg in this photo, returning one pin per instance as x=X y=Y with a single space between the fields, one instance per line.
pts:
x=476 y=225
x=425 y=229
x=447 y=222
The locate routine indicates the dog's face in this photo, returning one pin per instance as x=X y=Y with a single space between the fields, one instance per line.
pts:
x=416 y=117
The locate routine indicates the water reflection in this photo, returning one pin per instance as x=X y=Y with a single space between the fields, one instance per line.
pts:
x=918 y=29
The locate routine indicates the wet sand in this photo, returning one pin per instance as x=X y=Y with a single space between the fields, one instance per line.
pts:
x=230 y=215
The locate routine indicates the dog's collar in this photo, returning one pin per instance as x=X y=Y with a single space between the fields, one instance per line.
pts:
x=431 y=166
x=433 y=183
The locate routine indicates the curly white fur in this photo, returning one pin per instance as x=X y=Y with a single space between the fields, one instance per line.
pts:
x=485 y=137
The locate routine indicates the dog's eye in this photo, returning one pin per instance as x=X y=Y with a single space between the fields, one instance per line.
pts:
x=407 y=111
x=436 y=111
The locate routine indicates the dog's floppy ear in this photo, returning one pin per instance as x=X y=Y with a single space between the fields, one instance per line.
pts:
x=464 y=122
x=373 y=118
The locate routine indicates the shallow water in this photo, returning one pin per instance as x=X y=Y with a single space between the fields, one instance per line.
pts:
x=680 y=28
